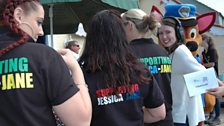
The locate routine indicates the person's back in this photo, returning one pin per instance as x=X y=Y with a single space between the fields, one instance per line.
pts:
x=34 y=78
x=120 y=106
x=119 y=85
x=25 y=85
x=159 y=64
x=152 y=55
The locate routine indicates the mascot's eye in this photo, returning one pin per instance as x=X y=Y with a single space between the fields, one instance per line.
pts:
x=193 y=33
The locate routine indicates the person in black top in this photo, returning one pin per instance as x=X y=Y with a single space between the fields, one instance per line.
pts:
x=33 y=77
x=122 y=90
x=210 y=59
x=138 y=25
x=209 y=55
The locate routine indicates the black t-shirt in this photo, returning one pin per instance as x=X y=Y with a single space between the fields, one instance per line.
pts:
x=121 y=106
x=159 y=64
x=33 y=78
x=211 y=56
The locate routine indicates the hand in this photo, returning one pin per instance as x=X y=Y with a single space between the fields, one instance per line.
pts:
x=208 y=65
x=68 y=57
x=218 y=92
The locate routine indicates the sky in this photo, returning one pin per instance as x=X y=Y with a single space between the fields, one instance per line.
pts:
x=217 y=5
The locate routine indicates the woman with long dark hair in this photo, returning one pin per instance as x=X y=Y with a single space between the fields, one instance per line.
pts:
x=187 y=111
x=121 y=87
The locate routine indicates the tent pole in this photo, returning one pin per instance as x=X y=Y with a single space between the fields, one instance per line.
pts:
x=51 y=23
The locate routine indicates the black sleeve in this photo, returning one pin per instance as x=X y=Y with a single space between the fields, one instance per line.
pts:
x=213 y=56
x=59 y=83
x=155 y=97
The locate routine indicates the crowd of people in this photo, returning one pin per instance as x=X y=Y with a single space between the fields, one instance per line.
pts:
x=123 y=78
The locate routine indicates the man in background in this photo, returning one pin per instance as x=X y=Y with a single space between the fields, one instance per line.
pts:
x=73 y=46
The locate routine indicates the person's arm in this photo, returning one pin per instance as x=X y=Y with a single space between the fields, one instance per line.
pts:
x=154 y=107
x=77 y=110
x=154 y=114
x=218 y=92
x=208 y=65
